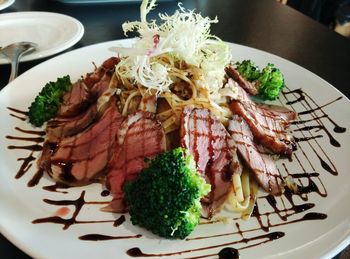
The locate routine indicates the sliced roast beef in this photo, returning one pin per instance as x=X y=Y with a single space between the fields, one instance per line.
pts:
x=77 y=160
x=140 y=136
x=81 y=104
x=262 y=164
x=44 y=161
x=236 y=166
x=266 y=128
x=280 y=113
x=75 y=100
x=207 y=140
x=108 y=65
x=102 y=85
x=61 y=127
x=268 y=124
x=251 y=88
x=87 y=90
x=276 y=111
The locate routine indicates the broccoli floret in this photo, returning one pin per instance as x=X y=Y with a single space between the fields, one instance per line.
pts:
x=165 y=197
x=271 y=82
x=47 y=102
x=248 y=70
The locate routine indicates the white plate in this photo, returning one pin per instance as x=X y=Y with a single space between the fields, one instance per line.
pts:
x=6 y=4
x=52 y=32
x=20 y=205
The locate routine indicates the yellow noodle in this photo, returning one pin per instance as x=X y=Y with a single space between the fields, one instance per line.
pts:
x=170 y=125
x=128 y=100
x=239 y=199
x=162 y=116
x=243 y=195
x=253 y=196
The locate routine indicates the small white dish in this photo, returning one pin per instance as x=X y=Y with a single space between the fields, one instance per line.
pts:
x=6 y=4
x=52 y=32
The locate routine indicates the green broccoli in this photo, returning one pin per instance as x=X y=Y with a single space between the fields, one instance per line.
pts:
x=271 y=82
x=248 y=70
x=165 y=198
x=47 y=102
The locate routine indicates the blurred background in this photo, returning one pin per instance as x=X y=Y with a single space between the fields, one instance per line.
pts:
x=334 y=14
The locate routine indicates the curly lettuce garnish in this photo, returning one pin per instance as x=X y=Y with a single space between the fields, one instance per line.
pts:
x=183 y=36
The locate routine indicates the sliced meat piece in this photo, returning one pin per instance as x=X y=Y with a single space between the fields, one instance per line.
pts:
x=242 y=95
x=269 y=130
x=280 y=112
x=108 y=65
x=249 y=87
x=140 y=136
x=75 y=100
x=276 y=111
x=61 y=127
x=236 y=166
x=268 y=123
x=79 y=159
x=219 y=176
x=44 y=161
x=262 y=165
x=206 y=139
x=82 y=103
x=102 y=85
x=87 y=90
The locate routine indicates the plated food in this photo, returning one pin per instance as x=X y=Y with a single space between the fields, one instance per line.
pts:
x=170 y=89
x=200 y=126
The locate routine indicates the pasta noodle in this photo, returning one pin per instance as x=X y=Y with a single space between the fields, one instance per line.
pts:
x=243 y=195
x=188 y=89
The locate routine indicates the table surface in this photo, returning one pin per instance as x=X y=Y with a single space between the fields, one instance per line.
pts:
x=261 y=24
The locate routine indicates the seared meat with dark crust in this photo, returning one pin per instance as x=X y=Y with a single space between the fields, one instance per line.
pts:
x=61 y=127
x=140 y=136
x=78 y=160
x=268 y=124
x=207 y=140
x=251 y=88
x=261 y=164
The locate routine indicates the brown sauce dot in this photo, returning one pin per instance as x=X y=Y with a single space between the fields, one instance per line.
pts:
x=228 y=253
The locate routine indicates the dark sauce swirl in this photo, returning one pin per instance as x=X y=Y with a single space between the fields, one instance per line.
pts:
x=311 y=184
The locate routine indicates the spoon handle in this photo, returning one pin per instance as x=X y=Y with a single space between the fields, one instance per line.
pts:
x=14 y=67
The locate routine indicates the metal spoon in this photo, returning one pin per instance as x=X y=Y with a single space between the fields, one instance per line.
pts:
x=14 y=52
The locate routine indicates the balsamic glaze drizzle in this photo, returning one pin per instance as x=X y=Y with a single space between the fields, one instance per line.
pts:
x=285 y=207
x=326 y=163
x=25 y=113
x=18 y=114
x=99 y=237
x=27 y=162
x=78 y=204
x=136 y=252
x=25 y=166
x=29 y=147
x=54 y=187
x=35 y=139
x=31 y=132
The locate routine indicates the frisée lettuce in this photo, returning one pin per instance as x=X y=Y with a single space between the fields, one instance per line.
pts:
x=184 y=36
